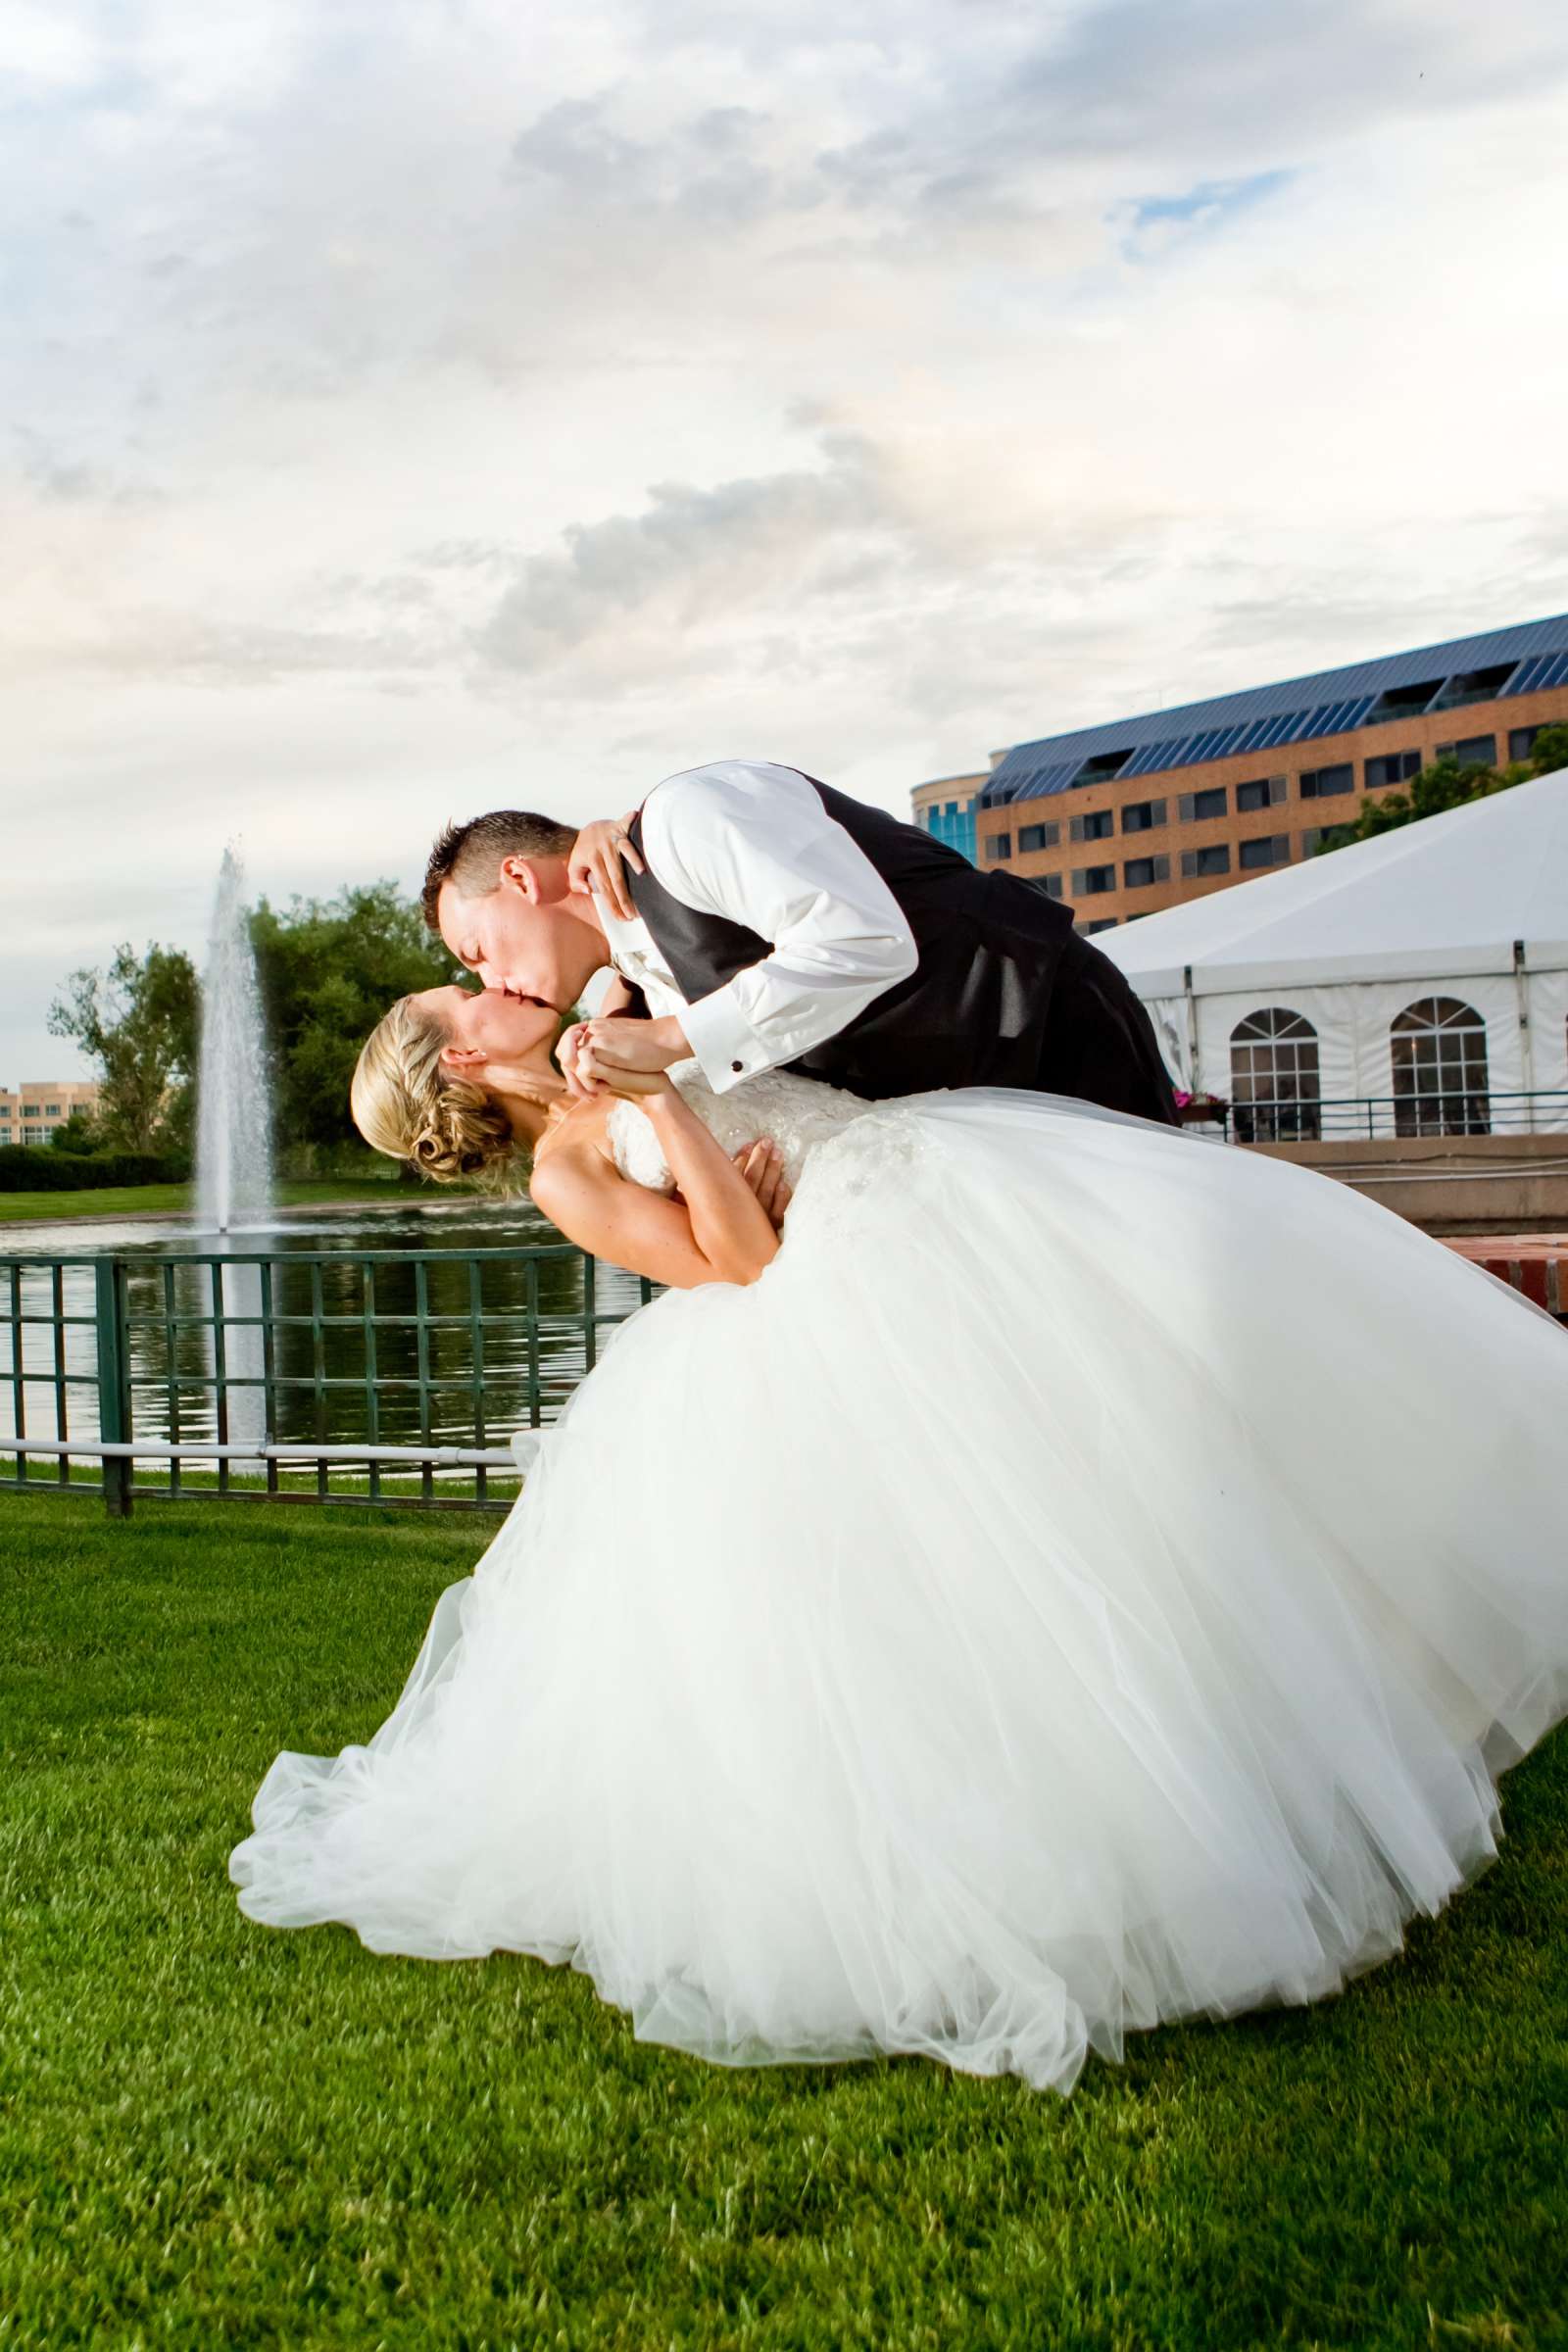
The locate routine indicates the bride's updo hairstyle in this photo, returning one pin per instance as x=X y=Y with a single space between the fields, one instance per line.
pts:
x=406 y=1105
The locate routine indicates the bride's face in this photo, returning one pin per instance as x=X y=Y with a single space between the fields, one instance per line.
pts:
x=487 y=1032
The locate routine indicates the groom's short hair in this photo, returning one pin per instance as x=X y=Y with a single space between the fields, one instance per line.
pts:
x=470 y=855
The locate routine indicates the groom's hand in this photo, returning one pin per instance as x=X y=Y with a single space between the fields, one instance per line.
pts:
x=596 y=1055
x=594 y=867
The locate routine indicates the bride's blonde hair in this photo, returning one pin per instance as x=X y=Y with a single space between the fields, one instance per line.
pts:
x=407 y=1105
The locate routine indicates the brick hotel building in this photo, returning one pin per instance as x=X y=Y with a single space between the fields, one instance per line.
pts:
x=29 y=1114
x=1140 y=814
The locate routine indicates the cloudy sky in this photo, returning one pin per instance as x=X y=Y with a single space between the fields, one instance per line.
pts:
x=431 y=405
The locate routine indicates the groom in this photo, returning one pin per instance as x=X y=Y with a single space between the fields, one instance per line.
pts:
x=781 y=923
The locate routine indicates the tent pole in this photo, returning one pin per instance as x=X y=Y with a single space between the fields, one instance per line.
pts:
x=1196 y=1082
x=1527 y=1057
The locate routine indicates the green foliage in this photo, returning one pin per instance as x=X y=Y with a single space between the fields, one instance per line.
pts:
x=1550 y=751
x=139 y=1022
x=1447 y=785
x=329 y=970
x=78 y=1134
x=24 y=1168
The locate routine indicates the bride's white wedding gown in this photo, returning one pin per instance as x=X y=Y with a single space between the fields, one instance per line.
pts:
x=1096 y=1575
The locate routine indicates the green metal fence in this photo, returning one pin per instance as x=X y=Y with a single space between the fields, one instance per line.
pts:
x=1307 y=1118
x=322 y=1375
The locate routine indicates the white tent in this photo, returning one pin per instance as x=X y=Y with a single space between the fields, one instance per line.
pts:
x=1470 y=907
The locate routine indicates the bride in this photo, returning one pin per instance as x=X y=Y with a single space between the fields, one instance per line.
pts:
x=1076 y=1575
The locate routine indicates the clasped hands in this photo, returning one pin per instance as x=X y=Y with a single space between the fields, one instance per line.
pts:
x=606 y=1056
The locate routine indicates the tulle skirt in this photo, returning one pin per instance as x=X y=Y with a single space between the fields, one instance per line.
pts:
x=1092 y=1577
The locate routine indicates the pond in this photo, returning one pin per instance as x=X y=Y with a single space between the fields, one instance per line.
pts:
x=448 y=1323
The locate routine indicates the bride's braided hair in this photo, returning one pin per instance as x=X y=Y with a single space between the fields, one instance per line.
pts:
x=406 y=1105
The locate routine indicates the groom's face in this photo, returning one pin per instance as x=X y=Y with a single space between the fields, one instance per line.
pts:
x=520 y=937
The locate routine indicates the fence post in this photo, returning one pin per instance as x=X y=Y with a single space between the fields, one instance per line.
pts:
x=113 y=1384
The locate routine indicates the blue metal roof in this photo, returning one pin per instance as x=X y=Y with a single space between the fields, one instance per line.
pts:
x=1330 y=701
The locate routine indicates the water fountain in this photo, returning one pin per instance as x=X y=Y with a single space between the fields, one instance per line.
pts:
x=234 y=1137
x=233 y=1152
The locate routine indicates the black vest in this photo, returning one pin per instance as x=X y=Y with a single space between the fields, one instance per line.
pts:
x=971 y=1013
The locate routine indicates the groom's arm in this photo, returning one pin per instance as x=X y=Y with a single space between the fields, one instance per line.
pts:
x=753 y=842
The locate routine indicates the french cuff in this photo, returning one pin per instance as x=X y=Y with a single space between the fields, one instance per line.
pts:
x=726 y=1045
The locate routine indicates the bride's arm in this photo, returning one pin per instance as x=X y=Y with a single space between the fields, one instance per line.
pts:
x=718 y=1231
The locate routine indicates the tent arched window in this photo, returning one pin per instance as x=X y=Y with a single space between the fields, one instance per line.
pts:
x=1275 y=1088
x=1438 y=1046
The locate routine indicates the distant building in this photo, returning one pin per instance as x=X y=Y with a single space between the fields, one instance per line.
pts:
x=947 y=809
x=32 y=1113
x=1219 y=790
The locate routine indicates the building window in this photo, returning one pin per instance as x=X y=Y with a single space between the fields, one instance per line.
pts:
x=1476 y=750
x=1214 y=801
x=1322 y=783
x=1402 y=701
x=1103 y=766
x=1197 y=862
x=999 y=845
x=1312 y=836
x=1087 y=879
x=1140 y=872
x=51 y=1111
x=1102 y=922
x=1521 y=742
x=1262 y=792
x=955 y=827
x=1474 y=686
x=1050 y=884
x=1142 y=817
x=1270 y=848
x=1438 y=1046
x=1097 y=825
x=1038 y=837
x=1275 y=1086
x=1395 y=767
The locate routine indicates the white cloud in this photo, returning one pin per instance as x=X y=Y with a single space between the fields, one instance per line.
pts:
x=416 y=405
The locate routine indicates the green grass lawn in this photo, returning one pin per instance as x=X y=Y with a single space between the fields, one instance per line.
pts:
x=213 y=2131
x=169 y=1200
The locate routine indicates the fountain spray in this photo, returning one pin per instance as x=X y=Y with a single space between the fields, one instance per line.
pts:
x=233 y=1158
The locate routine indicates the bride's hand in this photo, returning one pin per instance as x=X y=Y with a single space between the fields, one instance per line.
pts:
x=587 y=1076
x=594 y=865
x=579 y=1052
x=762 y=1166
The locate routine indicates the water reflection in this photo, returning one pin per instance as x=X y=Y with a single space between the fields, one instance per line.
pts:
x=338 y=1336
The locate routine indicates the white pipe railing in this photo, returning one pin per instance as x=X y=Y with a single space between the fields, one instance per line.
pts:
x=441 y=1457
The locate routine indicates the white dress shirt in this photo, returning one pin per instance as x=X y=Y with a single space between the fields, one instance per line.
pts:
x=751 y=841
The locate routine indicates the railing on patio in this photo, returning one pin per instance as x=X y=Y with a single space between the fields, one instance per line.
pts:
x=1377 y=1118
x=333 y=1376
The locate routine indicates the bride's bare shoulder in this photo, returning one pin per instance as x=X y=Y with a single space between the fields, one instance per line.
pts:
x=574 y=1176
x=584 y=1130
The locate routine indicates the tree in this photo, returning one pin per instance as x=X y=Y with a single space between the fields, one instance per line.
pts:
x=1548 y=751
x=78 y=1134
x=138 y=1021
x=1448 y=785
x=329 y=970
